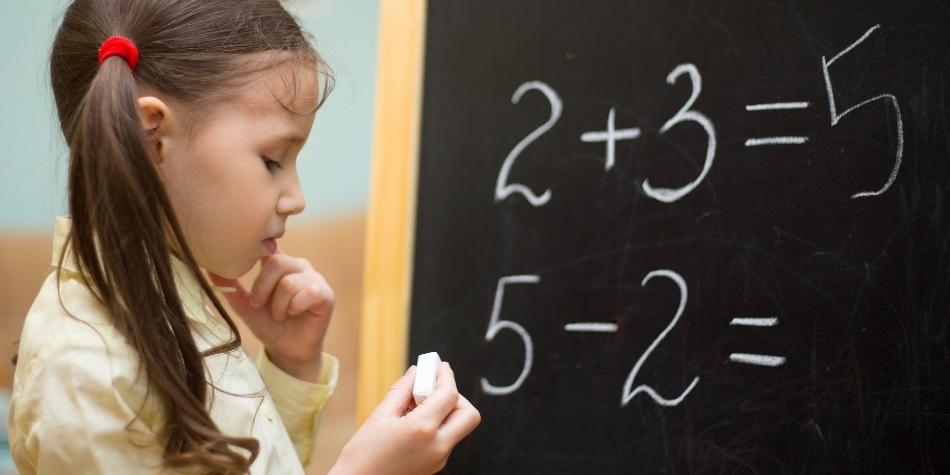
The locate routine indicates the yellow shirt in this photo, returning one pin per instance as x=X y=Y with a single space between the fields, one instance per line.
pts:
x=78 y=387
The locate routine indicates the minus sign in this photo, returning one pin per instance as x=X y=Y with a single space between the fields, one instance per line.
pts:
x=776 y=106
x=759 y=360
x=754 y=322
x=591 y=327
x=757 y=142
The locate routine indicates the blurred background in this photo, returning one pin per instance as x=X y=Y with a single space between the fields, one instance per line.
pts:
x=334 y=168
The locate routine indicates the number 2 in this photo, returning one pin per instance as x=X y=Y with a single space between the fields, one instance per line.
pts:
x=502 y=188
x=643 y=388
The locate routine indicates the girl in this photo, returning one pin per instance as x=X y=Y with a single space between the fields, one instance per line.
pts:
x=184 y=119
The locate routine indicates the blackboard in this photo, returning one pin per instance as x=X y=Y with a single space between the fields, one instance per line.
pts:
x=688 y=237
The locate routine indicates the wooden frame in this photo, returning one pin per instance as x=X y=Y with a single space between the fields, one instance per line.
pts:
x=390 y=230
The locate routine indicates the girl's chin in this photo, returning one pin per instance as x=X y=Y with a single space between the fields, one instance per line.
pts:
x=234 y=270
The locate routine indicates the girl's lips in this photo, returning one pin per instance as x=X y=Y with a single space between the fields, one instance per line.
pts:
x=270 y=245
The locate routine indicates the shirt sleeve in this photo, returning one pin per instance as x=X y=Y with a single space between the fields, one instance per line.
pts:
x=70 y=418
x=299 y=402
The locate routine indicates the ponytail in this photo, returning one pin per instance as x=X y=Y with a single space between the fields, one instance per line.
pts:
x=121 y=216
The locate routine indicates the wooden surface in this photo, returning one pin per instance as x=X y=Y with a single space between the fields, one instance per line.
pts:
x=390 y=227
x=334 y=247
x=24 y=264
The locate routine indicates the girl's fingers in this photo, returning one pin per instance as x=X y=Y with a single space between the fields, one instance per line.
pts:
x=273 y=268
x=306 y=298
x=302 y=300
x=443 y=398
x=399 y=396
x=287 y=287
x=461 y=422
x=239 y=299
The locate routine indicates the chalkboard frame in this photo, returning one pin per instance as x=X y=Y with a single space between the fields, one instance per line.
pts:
x=390 y=231
x=391 y=263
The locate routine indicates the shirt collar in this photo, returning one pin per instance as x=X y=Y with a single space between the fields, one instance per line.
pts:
x=189 y=289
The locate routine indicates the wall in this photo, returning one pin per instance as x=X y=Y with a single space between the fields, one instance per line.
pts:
x=334 y=164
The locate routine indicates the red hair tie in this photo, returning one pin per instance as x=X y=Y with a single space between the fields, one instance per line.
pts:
x=119 y=46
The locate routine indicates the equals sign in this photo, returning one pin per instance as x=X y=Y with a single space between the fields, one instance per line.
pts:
x=752 y=358
x=787 y=140
x=596 y=327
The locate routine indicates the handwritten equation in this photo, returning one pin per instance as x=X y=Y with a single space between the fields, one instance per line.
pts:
x=609 y=136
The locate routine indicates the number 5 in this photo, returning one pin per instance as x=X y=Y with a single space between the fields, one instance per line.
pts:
x=496 y=325
x=835 y=116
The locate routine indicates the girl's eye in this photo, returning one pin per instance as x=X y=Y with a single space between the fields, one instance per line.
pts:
x=271 y=164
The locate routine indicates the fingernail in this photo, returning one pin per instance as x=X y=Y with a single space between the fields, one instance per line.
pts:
x=255 y=303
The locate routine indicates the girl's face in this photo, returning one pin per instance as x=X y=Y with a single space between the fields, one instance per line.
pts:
x=234 y=183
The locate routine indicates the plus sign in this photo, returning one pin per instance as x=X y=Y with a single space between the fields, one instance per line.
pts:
x=611 y=136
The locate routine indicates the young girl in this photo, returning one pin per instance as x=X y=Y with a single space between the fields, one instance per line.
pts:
x=184 y=119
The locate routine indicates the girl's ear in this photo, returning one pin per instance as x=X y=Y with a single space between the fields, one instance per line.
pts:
x=159 y=127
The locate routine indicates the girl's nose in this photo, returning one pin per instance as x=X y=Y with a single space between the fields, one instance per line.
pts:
x=292 y=201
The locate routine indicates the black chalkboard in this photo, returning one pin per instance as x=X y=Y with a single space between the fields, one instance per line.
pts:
x=782 y=307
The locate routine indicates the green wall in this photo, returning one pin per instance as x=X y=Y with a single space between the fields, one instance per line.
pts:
x=334 y=165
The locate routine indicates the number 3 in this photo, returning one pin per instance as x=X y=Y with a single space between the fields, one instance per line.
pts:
x=669 y=195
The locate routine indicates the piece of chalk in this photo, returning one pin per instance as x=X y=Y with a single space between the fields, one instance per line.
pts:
x=426 y=367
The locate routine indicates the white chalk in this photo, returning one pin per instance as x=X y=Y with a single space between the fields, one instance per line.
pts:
x=426 y=367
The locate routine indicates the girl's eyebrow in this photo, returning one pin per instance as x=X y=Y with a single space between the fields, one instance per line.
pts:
x=290 y=138
x=286 y=139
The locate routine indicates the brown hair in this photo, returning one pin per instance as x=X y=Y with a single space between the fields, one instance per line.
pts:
x=197 y=52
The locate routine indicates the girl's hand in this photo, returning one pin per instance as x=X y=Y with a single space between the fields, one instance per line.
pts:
x=402 y=438
x=288 y=309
